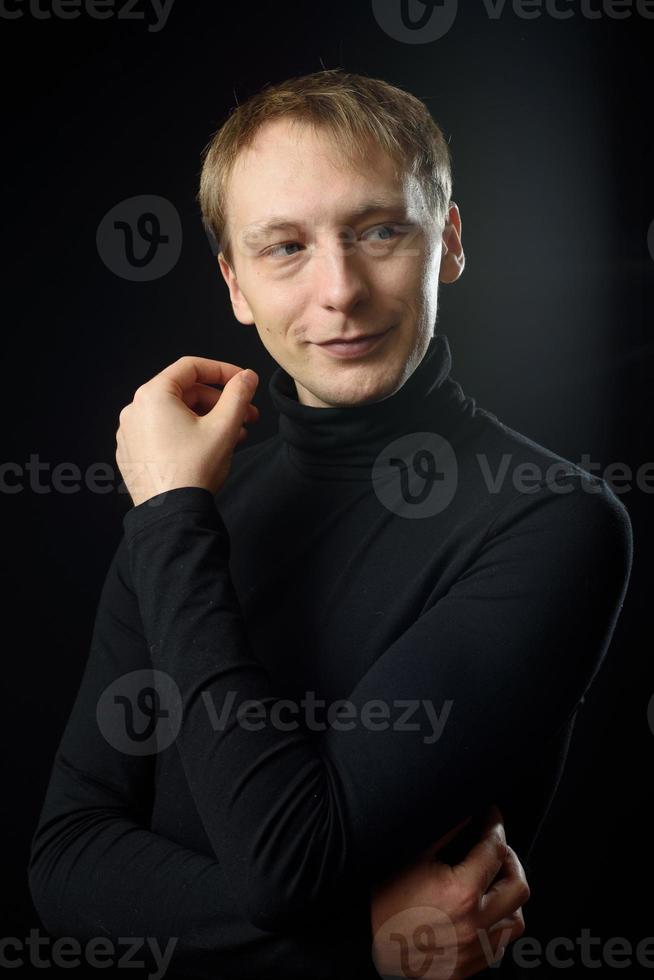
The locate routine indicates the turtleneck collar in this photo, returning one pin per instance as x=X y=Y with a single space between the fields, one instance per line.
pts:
x=343 y=442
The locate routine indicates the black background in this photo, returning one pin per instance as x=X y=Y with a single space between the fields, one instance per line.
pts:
x=550 y=126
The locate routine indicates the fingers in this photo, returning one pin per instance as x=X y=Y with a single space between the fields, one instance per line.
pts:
x=188 y=370
x=495 y=939
x=482 y=863
x=231 y=410
x=490 y=944
x=201 y=399
x=513 y=924
x=508 y=893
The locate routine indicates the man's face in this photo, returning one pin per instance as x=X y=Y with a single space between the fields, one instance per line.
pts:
x=332 y=270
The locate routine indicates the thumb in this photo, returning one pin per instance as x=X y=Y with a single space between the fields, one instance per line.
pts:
x=231 y=408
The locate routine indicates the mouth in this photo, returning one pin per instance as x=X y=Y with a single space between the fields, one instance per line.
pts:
x=357 y=346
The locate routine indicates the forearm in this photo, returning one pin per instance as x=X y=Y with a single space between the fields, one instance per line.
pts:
x=95 y=871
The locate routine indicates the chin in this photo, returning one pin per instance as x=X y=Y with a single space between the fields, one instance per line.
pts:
x=366 y=385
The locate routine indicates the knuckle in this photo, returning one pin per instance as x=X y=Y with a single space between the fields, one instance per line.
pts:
x=524 y=891
x=502 y=849
x=516 y=918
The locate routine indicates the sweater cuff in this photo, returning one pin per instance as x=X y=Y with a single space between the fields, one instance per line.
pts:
x=167 y=505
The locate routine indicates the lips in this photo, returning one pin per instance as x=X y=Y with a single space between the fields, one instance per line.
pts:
x=352 y=349
x=353 y=340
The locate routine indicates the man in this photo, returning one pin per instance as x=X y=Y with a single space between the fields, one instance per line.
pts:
x=356 y=560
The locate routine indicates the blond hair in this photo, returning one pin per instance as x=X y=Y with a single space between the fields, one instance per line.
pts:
x=352 y=109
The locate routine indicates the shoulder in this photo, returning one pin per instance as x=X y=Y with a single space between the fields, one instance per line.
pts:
x=538 y=507
x=515 y=469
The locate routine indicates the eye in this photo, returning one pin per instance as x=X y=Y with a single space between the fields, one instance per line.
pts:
x=277 y=251
x=274 y=251
x=394 y=229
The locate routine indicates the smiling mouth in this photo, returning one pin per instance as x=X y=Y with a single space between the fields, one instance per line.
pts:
x=354 y=348
x=360 y=339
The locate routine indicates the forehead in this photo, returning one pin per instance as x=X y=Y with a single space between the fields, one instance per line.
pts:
x=292 y=170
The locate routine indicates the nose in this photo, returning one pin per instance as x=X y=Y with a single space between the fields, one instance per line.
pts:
x=340 y=279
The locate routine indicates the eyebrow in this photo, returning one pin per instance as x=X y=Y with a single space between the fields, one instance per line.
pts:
x=366 y=208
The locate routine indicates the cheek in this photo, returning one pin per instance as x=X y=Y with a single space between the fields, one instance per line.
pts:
x=275 y=321
x=284 y=309
x=409 y=280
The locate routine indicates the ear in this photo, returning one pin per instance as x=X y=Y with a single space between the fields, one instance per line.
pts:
x=452 y=259
x=240 y=305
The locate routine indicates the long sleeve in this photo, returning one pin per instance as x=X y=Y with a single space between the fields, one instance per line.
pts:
x=503 y=658
x=97 y=870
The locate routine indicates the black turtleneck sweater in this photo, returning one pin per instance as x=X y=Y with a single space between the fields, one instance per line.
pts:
x=451 y=583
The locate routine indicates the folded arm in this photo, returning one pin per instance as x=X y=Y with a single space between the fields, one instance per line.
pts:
x=513 y=646
x=97 y=870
